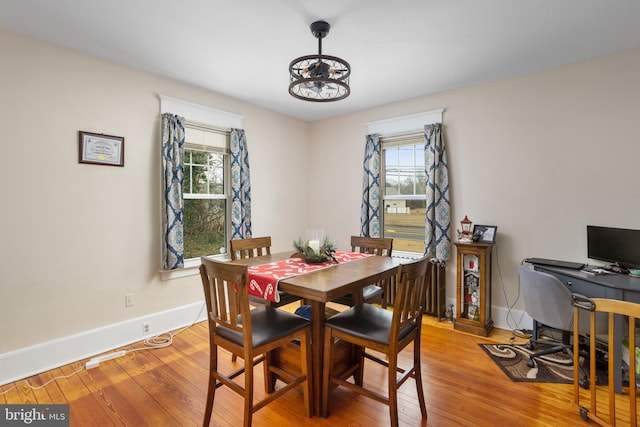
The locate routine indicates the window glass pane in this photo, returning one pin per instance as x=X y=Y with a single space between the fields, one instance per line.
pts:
x=204 y=227
x=420 y=156
x=391 y=184
x=406 y=156
x=404 y=222
x=421 y=182
x=216 y=173
x=407 y=184
x=203 y=172
x=199 y=181
x=186 y=184
x=391 y=157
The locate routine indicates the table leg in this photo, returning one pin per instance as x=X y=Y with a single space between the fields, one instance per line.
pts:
x=317 y=349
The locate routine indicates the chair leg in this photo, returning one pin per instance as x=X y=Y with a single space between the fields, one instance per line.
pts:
x=248 y=392
x=305 y=362
x=211 y=390
x=393 y=389
x=418 y=377
x=269 y=376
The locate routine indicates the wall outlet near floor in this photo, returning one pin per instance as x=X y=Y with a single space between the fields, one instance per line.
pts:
x=129 y=300
x=146 y=328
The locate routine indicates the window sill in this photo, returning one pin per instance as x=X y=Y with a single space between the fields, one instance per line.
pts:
x=191 y=268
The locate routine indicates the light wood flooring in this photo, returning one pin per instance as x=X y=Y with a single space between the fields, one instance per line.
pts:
x=168 y=386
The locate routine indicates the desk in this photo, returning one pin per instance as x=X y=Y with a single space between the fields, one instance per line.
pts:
x=612 y=286
x=321 y=286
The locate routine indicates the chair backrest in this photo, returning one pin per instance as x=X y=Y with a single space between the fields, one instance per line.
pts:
x=546 y=299
x=410 y=296
x=599 y=408
x=249 y=248
x=225 y=291
x=372 y=245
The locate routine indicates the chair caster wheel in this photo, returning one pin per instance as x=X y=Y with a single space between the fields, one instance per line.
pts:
x=531 y=363
x=529 y=346
x=584 y=383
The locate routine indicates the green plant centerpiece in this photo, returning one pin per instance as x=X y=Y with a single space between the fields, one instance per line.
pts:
x=314 y=252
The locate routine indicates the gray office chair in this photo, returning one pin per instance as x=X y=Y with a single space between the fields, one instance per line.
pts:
x=548 y=302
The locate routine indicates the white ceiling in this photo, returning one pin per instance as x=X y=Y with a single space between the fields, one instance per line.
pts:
x=397 y=49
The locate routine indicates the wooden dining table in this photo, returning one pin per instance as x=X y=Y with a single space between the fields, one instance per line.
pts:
x=321 y=286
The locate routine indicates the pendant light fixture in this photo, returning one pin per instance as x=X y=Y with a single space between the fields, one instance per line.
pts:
x=319 y=78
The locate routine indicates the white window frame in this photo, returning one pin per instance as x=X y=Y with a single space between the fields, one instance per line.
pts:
x=210 y=117
x=224 y=150
x=394 y=142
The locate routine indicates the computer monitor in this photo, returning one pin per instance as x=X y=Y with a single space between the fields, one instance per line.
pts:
x=620 y=246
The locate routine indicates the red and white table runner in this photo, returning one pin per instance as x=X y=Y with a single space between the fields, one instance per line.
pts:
x=264 y=278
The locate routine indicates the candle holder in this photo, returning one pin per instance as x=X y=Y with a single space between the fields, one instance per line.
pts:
x=315 y=251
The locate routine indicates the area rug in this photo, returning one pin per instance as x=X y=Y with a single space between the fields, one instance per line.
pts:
x=512 y=359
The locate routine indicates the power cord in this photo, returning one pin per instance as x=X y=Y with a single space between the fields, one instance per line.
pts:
x=514 y=328
x=158 y=341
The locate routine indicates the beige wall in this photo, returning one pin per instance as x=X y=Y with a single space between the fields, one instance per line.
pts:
x=76 y=238
x=540 y=156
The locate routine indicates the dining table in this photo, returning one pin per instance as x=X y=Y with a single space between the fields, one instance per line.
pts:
x=323 y=285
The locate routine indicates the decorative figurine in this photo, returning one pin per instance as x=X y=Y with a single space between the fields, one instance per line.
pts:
x=465 y=236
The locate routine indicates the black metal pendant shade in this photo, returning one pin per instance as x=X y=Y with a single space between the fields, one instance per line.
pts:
x=319 y=78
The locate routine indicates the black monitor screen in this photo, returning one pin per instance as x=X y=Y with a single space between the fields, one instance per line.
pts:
x=615 y=245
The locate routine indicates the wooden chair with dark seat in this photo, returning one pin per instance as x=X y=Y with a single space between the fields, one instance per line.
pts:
x=381 y=330
x=602 y=404
x=253 y=247
x=375 y=292
x=251 y=334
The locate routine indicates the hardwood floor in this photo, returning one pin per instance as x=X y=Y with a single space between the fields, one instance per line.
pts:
x=168 y=386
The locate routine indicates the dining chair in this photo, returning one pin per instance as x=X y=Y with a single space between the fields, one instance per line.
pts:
x=253 y=247
x=375 y=292
x=384 y=331
x=251 y=334
x=601 y=404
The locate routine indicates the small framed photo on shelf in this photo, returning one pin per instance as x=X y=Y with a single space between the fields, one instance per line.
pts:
x=485 y=233
x=100 y=149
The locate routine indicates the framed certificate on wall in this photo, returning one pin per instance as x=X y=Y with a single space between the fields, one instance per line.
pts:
x=100 y=149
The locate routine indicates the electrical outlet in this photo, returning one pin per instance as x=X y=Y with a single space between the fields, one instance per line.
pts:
x=146 y=328
x=129 y=300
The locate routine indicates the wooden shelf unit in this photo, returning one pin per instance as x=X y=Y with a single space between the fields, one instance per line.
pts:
x=473 y=288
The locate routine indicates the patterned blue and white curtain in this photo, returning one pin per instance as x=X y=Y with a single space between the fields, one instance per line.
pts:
x=370 y=210
x=438 y=218
x=240 y=186
x=172 y=203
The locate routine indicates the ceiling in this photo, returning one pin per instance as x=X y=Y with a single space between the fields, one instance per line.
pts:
x=397 y=49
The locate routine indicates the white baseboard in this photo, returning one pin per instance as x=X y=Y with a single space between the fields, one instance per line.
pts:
x=504 y=318
x=32 y=360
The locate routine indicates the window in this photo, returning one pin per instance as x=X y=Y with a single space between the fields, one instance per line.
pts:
x=404 y=192
x=205 y=190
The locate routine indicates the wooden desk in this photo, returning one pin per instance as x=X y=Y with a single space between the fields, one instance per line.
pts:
x=321 y=286
x=612 y=286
